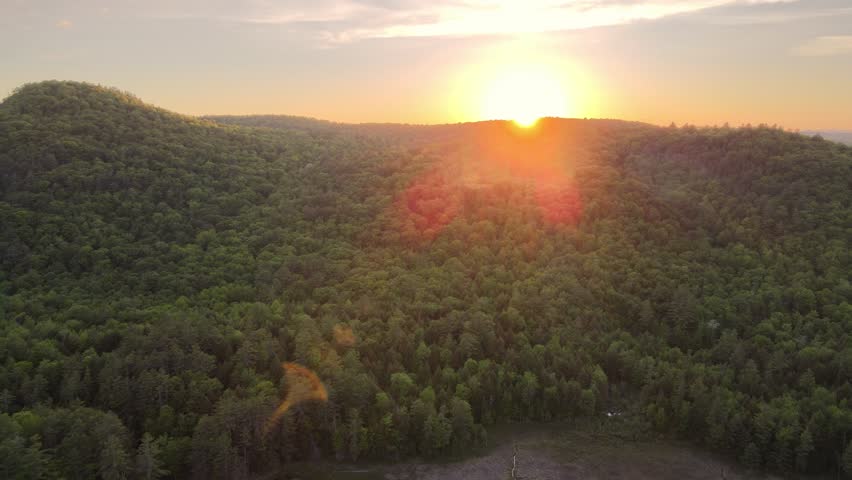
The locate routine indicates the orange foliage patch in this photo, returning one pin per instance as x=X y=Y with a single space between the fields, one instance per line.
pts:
x=343 y=336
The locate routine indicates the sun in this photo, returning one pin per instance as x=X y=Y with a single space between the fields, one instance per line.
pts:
x=524 y=95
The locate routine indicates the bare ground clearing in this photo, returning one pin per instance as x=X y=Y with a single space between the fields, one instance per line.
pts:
x=557 y=453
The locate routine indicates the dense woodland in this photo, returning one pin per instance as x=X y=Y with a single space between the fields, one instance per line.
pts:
x=156 y=270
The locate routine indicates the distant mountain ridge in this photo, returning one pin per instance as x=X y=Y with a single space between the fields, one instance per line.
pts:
x=842 y=136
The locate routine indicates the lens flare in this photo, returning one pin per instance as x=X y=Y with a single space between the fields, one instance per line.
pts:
x=303 y=385
x=493 y=161
x=428 y=205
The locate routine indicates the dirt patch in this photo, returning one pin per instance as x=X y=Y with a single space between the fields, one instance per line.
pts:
x=572 y=455
x=554 y=452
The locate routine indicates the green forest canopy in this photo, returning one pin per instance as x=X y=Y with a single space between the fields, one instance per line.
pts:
x=158 y=269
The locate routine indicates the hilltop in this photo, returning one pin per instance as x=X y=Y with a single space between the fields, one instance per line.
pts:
x=157 y=270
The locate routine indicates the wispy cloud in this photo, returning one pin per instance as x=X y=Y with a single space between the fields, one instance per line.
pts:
x=825 y=46
x=796 y=12
x=349 y=20
x=357 y=19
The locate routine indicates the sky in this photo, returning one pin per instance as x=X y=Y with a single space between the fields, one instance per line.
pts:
x=703 y=62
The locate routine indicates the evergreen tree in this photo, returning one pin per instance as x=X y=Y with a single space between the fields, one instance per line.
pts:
x=148 y=463
x=114 y=461
x=804 y=449
x=751 y=456
x=846 y=462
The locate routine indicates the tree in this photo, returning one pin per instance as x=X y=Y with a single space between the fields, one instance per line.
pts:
x=356 y=432
x=148 y=463
x=751 y=456
x=783 y=451
x=462 y=423
x=750 y=378
x=588 y=402
x=402 y=386
x=18 y=460
x=437 y=432
x=114 y=461
x=804 y=449
x=847 y=459
x=683 y=315
x=528 y=393
x=647 y=320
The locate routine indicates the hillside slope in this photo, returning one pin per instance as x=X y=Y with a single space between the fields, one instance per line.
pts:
x=158 y=269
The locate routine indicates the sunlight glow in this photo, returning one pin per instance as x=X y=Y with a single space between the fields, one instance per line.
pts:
x=524 y=94
x=518 y=79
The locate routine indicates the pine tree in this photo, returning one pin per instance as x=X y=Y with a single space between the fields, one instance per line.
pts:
x=683 y=318
x=782 y=453
x=6 y=398
x=34 y=460
x=148 y=463
x=682 y=309
x=355 y=427
x=804 y=449
x=647 y=321
x=114 y=462
x=338 y=441
x=846 y=462
x=751 y=456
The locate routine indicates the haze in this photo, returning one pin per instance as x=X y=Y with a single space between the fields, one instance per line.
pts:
x=704 y=62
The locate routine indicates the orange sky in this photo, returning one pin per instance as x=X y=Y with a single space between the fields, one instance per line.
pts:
x=782 y=62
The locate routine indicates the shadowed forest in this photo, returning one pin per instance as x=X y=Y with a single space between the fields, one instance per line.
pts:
x=226 y=296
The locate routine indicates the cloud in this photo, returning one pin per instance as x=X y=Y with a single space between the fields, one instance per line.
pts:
x=64 y=24
x=825 y=46
x=350 y=20
x=357 y=19
x=792 y=12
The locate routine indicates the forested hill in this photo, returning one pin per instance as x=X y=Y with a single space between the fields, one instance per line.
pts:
x=158 y=270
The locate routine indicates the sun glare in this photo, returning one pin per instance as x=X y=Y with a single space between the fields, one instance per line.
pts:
x=524 y=95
